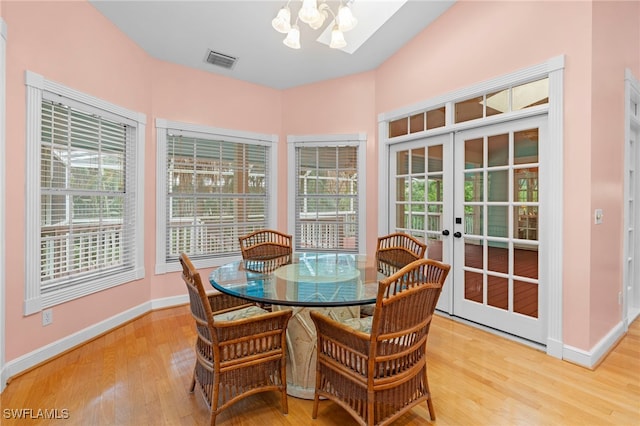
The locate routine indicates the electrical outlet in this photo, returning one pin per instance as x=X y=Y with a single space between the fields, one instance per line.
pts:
x=597 y=216
x=47 y=317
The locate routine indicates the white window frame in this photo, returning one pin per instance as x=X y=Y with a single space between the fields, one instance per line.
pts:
x=328 y=140
x=204 y=132
x=37 y=88
x=552 y=158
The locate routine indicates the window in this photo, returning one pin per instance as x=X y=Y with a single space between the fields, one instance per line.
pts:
x=216 y=185
x=328 y=202
x=84 y=205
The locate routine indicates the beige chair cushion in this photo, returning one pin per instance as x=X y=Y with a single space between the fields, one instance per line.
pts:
x=360 y=324
x=248 y=312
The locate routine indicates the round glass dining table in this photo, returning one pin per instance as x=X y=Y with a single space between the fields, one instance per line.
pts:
x=335 y=283
x=303 y=279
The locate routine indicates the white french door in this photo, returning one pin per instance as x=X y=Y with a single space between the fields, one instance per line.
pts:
x=421 y=188
x=497 y=207
x=474 y=197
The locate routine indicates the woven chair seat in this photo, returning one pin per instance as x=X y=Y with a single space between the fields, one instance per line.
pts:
x=248 y=312
x=360 y=324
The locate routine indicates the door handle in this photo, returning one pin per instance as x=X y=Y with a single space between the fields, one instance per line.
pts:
x=445 y=232
x=457 y=234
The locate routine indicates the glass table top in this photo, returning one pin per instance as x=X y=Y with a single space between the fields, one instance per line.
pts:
x=302 y=279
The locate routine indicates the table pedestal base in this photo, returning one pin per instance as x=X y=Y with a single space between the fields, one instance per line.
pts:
x=301 y=347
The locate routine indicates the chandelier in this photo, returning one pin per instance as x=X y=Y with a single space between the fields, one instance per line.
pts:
x=314 y=13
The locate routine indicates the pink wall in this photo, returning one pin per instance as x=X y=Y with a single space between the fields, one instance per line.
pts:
x=103 y=63
x=340 y=106
x=612 y=53
x=514 y=35
x=211 y=100
x=44 y=38
x=454 y=52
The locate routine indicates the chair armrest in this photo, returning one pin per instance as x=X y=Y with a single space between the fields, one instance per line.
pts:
x=342 y=345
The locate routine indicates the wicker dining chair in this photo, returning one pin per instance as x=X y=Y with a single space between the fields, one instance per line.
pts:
x=265 y=244
x=240 y=351
x=395 y=251
x=399 y=249
x=375 y=367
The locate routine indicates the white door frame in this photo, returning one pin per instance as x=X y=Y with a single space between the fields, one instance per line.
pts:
x=552 y=157
x=630 y=291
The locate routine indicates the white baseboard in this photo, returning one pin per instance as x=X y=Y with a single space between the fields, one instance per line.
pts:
x=40 y=355
x=591 y=358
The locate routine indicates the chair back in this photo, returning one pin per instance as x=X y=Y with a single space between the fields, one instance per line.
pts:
x=198 y=301
x=399 y=249
x=404 y=307
x=265 y=244
x=266 y=266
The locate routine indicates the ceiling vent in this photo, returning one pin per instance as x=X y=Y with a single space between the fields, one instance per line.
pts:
x=221 y=60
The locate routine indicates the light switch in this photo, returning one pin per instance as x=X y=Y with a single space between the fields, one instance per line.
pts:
x=598 y=216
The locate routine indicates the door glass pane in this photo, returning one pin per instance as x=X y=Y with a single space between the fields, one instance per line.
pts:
x=402 y=216
x=434 y=247
x=498 y=292
x=498 y=102
x=417 y=160
x=474 y=220
x=434 y=215
x=435 y=188
x=473 y=157
x=435 y=118
x=417 y=189
x=402 y=163
x=416 y=123
x=525 y=298
x=435 y=158
x=402 y=189
x=473 y=286
x=525 y=146
x=473 y=186
x=525 y=184
x=497 y=225
x=498 y=185
x=525 y=261
x=469 y=109
x=498 y=257
x=398 y=127
x=530 y=94
x=417 y=216
x=498 y=147
x=473 y=254
x=526 y=222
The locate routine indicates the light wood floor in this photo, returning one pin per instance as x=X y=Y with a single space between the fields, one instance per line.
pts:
x=139 y=374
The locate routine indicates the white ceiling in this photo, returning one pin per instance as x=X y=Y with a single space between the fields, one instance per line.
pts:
x=183 y=32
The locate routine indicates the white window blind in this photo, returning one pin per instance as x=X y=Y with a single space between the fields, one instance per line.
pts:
x=217 y=190
x=84 y=201
x=327 y=197
x=87 y=196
